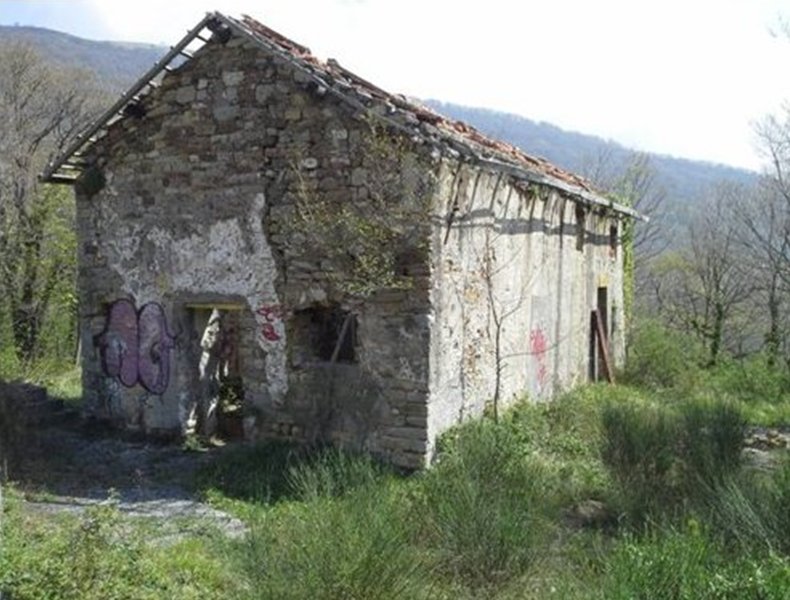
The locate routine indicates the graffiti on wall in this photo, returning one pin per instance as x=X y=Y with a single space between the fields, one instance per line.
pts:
x=135 y=345
x=538 y=346
x=271 y=314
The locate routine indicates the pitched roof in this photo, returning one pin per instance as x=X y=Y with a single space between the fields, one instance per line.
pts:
x=449 y=136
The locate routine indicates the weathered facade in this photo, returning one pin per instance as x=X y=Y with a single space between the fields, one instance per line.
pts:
x=327 y=261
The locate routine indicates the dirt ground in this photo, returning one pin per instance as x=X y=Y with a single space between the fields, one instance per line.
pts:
x=68 y=466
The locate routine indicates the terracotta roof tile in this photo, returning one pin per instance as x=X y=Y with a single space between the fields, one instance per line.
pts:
x=457 y=130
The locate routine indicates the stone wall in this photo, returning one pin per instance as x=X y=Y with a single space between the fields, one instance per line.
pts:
x=195 y=205
x=516 y=276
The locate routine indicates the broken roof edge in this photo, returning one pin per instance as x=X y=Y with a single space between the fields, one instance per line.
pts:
x=286 y=49
x=50 y=173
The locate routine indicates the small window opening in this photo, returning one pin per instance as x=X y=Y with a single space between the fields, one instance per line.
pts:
x=580 y=217
x=325 y=333
x=613 y=240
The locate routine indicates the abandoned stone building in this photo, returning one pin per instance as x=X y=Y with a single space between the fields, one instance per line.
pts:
x=272 y=247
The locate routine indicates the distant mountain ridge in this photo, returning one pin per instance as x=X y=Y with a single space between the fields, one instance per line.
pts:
x=683 y=179
x=118 y=64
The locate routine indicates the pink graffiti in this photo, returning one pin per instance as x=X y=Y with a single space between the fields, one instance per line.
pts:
x=118 y=342
x=135 y=345
x=537 y=347
x=271 y=313
x=155 y=344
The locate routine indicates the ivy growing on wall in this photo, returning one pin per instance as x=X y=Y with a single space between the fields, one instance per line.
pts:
x=370 y=236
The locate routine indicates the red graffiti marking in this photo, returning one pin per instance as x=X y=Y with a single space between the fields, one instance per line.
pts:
x=271 y=313
x=537 y=347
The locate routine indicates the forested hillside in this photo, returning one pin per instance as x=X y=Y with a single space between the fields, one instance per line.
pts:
x=683 y=180
x=115 y=64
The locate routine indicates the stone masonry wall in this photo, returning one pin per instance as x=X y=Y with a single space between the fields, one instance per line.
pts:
x=194 y=204
x=513 y=290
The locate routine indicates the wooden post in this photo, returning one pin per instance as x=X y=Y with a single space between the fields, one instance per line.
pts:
x=603 y=347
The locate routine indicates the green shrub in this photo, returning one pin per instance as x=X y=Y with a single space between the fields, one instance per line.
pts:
x=273 y=471
x=663 y=457
x=330 y=473
x=485 y=505
x=256 y=474
x=713 y=438
x=679 y=565
x=752 y=380
x=659 y=357
x=739 y=512
x=640 y=449
x=753 y=510
x=99 y=556
x=779 y=506
x=356 y=547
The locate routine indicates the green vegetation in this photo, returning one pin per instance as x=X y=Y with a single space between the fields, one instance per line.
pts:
x=631 y=491
x=99 y=555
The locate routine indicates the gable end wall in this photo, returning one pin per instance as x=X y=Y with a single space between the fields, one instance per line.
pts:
x=198 y=207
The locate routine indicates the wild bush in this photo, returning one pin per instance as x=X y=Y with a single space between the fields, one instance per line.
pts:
x=332 y=473
x=689 y=564
x=256 y=474
x=752 y=380
x=99 y=556
x=639 y=448
x=355 y=547
x=485 y=505
x=752 y=512
x=713 y=435
x=663 y=457
x=659 y=357
x=268 y=472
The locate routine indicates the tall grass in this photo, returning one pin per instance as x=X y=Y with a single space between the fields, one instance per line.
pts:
x=712 y=435
x=254 y=474
x=672 y=564
x=664 y=457
x=486 y=505
x=331 y=473
x=347 y=535
x=752 y=512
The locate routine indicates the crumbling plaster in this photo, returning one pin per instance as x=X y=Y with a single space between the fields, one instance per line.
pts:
x=505 y=259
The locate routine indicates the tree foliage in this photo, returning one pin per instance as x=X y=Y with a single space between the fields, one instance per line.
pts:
x=41 y=109
x=369 y=237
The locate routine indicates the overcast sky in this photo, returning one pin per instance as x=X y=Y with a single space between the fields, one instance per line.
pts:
x=681 y=77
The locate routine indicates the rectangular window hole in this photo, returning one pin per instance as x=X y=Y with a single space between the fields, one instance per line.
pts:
x=613 y=240
x=580 y=218
x=324 y=333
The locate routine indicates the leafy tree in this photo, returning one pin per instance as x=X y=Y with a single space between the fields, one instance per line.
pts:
x=41 y=109
x=702 y=286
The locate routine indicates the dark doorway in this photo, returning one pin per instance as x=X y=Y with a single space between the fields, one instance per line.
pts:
x=603 y=309
x=217 y=407
x=600 y=365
